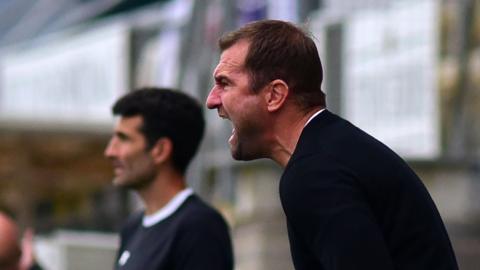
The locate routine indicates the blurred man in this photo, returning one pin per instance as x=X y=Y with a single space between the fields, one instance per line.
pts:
x=156 y=137
x=350 y=202
x=13 y=254
x=10 y=252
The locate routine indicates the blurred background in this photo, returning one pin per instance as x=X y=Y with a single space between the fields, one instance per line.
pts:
x=406 y=71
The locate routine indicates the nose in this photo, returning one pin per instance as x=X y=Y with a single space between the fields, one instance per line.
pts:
x=110 y=149
x=213 y=99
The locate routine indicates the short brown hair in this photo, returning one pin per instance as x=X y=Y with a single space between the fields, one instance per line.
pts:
x=281 y=50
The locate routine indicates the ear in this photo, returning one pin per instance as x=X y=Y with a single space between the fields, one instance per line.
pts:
x=276 y=95
x=162 y=150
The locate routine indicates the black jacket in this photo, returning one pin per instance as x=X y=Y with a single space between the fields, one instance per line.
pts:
x=352 y=203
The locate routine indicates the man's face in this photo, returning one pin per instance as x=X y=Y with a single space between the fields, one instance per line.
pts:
x=133 y=165
x=9 y=247
x=234 y=100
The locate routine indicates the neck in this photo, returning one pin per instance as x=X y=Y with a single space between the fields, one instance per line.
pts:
x=288 y=128
x=166 y=185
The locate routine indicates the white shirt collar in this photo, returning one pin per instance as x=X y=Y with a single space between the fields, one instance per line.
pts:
x=168 y=209
x=313 y=116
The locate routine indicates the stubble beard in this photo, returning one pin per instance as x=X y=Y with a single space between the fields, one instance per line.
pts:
x=134 y=182
x=246 y=149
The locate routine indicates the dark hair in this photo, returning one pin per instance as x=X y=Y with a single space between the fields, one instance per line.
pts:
x=166 y=113
x=281 y=50
x=7 y=211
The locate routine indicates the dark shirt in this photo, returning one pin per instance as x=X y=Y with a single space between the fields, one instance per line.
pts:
x=352 y=203
x=194 y=237
x=35 y=266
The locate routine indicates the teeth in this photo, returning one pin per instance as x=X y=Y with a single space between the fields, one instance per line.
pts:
x=222 y=115
x=230 y=140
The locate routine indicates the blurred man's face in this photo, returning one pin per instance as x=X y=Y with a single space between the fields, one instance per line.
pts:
x=133 y=165
x=235 y=101
x=9 y=247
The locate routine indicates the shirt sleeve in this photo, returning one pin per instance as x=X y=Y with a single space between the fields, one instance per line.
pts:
x=329 y=218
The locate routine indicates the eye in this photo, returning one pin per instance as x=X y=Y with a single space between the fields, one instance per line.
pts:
x=222 y=81
x=122 y=136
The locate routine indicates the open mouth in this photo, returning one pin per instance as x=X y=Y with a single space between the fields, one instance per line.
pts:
x=232 y=138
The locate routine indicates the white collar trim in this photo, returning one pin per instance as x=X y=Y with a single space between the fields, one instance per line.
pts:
x=168 y=209
x=313 y=116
